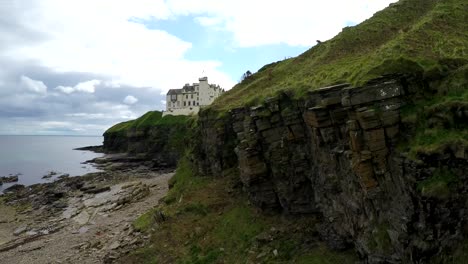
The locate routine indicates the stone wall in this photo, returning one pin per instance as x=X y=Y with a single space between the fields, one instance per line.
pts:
x=335 y=154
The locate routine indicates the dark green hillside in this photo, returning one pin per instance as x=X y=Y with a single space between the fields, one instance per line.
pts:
x=157 y=137
x=426 y=37
x=150 y=119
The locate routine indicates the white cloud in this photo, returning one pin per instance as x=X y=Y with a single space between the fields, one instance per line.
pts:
x=90 y=115
x=129 y=99
x=106 y=37
x=86 y=87
x=101 y=37
x=33 y=85
x=65 y=89
x=294 y=22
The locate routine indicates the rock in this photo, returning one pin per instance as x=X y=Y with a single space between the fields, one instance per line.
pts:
x=9 y=179
x=49 y=175
x=114 y=245
x=29 y=249
x=70 y=212
x=264 y=237
x=18 y=231
x=261 y=255
x=32 y=233
x=14 y=188
x=82 y=218
x=95 y=190
x=63 y=176
x=60 y=204
x=83 y=230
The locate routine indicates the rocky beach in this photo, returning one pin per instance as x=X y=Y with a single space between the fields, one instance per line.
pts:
x=86 y=219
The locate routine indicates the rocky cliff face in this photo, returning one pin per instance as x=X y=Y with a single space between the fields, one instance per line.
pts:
x=335 y=154
x=163 y=144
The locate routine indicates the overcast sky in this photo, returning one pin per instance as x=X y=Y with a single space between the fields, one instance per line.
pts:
x=79 y=66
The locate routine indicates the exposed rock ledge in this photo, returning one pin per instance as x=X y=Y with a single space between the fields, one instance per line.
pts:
x=334 y=153
x=81 y=219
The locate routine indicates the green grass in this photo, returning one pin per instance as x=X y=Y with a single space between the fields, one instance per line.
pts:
x=380 y=240
x=439 y=185
x=148 y=120
x=183 y=181
x=424 y=37
x=145 y=221
x=211 y=221
x=238 y=227
x=458 y=256
x=435 y=118
x=154 y=134
x=322 y=255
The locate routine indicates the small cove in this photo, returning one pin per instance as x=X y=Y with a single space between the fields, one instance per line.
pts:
x=32 y=157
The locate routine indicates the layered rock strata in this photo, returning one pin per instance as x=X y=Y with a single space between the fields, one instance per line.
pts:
x=335 y=154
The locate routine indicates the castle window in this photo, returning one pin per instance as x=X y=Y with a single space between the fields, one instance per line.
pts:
x=186 y=96
x=185 y=103
x=173 y=97
x=189 y=103
x=194 y=103
x=198 y=103
x=191 y=96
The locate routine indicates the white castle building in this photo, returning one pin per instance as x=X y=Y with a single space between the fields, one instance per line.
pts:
x=190 y=98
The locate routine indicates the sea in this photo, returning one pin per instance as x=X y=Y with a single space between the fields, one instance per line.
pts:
x=32 y=157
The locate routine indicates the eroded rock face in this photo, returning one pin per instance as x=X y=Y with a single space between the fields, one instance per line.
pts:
x=335 y=154
x=151 y=143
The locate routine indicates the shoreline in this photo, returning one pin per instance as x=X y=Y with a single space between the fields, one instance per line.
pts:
x=29 y=172
x=82 y=219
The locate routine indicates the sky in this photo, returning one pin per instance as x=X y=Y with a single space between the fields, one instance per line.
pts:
x=77 y=67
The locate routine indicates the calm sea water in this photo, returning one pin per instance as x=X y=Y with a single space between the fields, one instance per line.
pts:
x=36 y=156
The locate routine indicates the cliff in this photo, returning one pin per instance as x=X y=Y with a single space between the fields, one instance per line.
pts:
x=381 y=160
x=151 y=136
x=344 y=153
x=367 y=133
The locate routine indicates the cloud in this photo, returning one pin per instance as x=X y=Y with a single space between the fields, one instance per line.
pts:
x=23 y=111
x=102 y=37
x=86 y=87
x=129 y=99
x=94 y=53
x=263 y=22
x=32 y=85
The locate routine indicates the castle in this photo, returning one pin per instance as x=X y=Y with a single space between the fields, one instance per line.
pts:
x=190 y=98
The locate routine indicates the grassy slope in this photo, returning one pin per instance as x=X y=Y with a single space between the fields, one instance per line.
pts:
x=436 y=119
x=210 y=221
x=150 y=119
x=428 y=37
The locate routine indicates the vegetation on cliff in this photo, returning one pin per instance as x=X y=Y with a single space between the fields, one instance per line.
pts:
x=210 y=221
x=437 y=117
x=148 y=120
x=152 y=135
x=424 y=37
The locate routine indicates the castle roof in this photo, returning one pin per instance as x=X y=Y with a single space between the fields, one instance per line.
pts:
x=174 y=91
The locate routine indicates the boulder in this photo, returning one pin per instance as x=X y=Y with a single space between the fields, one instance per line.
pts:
x=14 y=188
